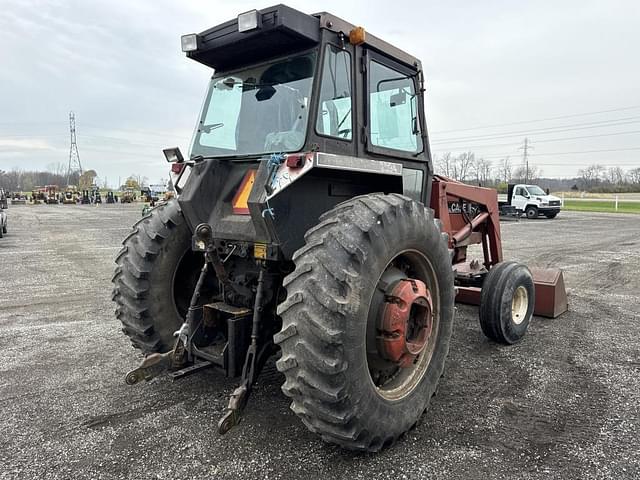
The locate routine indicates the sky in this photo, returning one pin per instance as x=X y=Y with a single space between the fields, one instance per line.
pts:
x=564 y=74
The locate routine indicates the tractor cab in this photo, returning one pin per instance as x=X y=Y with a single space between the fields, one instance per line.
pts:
x=287 y=82
x=303 y=103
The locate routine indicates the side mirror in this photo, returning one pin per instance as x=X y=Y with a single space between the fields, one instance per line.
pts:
x=265 y=93
x=399 y=98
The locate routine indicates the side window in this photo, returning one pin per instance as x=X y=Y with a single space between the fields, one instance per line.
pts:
x=518 y=191
x=393 y=109
x=334 y=112
x=412 y=183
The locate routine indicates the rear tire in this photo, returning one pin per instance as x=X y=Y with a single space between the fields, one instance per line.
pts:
x=531 y=212
x=154 y=278
x=326 y=319
x=507 y=302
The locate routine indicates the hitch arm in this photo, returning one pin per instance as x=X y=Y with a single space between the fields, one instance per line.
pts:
x=254 y=361
x=157 y=363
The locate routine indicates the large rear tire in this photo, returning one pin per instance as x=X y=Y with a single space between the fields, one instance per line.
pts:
x=340 y=385
x=154 y=278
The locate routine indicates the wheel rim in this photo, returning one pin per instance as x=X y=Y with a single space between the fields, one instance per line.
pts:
x=402 y=325
x=519 y=305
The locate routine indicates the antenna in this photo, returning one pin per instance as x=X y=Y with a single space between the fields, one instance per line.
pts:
x=74 y=156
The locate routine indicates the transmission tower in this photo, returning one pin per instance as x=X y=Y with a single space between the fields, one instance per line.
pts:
x=74 y=156
x=525 y=158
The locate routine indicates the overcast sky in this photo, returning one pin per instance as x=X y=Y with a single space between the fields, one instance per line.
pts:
x=118 y=65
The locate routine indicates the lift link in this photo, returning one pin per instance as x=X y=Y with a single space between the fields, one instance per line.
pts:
x=157 y=363
x=253 y=363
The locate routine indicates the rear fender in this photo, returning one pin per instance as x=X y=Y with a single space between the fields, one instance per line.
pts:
x=299 y=195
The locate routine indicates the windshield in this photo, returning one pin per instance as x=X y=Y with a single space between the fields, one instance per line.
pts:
x=257 y=110
x=535 y=190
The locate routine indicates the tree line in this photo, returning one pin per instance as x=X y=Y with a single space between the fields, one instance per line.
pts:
x=468 y=168
x=17 y=180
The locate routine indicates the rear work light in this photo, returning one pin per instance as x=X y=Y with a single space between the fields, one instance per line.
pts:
x=240 y=201
x=173 y=155
x=249 y=21
x=189 y=43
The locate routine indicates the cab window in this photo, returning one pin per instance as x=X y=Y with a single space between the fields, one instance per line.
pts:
x=393 y=109
x=334 y=112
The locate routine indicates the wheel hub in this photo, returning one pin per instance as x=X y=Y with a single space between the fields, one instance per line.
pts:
x=406 y=321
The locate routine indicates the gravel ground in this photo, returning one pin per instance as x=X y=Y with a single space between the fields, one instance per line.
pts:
x=564 y=403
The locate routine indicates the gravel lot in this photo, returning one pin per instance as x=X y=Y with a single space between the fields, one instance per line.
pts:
x=565 y=403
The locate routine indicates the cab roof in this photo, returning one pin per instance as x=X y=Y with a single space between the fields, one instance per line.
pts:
x=281 y=30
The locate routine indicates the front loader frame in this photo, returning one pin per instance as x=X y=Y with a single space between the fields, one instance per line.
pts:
x=470 y=215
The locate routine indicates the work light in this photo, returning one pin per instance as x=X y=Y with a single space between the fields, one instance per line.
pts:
x=189 y=42
x=173 y=155
x=249 y=21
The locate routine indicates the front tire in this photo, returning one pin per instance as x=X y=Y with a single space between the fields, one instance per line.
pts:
x=507 y=302
x=551 y=215
x=531 y=212
x=333 y=374
x=154 y=278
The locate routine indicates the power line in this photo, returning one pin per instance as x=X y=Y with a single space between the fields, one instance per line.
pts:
x=158 y=133
x=588 y=151
x=537 y=120
x=595 y=135
x=557 y=129
x=144 y=132
x=502 y=155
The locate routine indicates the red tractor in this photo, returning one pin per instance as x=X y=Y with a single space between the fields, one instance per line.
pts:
x=309 y=225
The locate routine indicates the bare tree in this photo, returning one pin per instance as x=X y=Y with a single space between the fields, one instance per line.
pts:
x=520 y=173
x=592 y=175
x=57 y=168
x=141 y=180
x=463 y=166
x=616 y=175
x=503 y=170
x=634 y=176
x=445 y=165
x=483 y=171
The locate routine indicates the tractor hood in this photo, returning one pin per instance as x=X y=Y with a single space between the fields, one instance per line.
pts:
x=254 y=36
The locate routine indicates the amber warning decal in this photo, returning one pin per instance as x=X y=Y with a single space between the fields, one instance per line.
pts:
x=241 y=198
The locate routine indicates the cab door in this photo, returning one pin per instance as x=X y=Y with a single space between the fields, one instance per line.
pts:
x=393 y=118
x=520 y=198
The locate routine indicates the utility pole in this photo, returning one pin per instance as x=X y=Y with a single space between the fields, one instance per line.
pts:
x=525 y=158
x=74 y=156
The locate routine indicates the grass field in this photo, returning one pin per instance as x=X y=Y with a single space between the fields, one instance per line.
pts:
x=601 y=206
